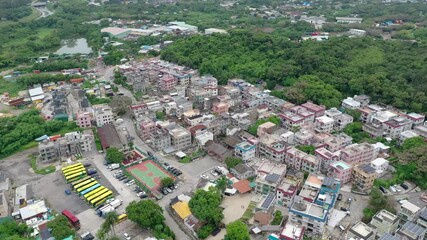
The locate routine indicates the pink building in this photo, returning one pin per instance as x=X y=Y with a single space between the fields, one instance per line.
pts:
x=84 y=119
x=220 y=107
x=340 y=170
x=416 y=119
x=145 y=128
x=318 y=110
x=167 y=83
x=308 y=116
x=358 y=153
x=292 y=232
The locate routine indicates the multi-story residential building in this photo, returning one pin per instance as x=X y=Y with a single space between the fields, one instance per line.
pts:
x=421 y=130
x=241 y=120
x=357 y=153
x=340 y=170
x=286 y=192
x=311 y=188
x=245 y=151
x=368 y=112
x=294 y=158
x=375 y=125
x=341 y=121
x=220 y=107
x=310 y=164
x=304 y=137
x=350 y=103
x=291 y=121
x=84 y=119
x=338 y=142
x=409 y=211
x=202 y=138
x=160 y=139
x=272 y=148
x=138 y=109
x=384 y=222
x=204 y=87
x=311 y=216
x=233 y=93
x=269 y=176
x=363 y=99
x=380 y=165
x=363 y=177
x=303 y=112
x=242 y=171
x=103 y=115
x=416 y=119
x=325 y=157
x=48 y=151
x=318 y=110
x=287 y=137
x=180 y=137
x=395 y=126
x=167 y=83
x=361 y=231
x=324 y=124
x=144 y=128
x=70 y=144
x=411 y=231
x=328 y=192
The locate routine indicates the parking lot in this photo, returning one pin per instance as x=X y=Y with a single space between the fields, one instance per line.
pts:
x=55 y=193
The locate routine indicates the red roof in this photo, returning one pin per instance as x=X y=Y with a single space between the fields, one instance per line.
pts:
x=242 y=186
x=77 y=80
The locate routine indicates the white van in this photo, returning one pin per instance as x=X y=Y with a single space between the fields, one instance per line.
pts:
x=341 y=228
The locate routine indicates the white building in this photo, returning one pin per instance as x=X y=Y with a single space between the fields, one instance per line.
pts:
x=209 y=31
x=324 y=124
x=103 y=115
x=406 y=135
x=245 y=150
x=202 y=138
x=380 y=165
x=349 y=20
x=357 y=32
x=350 y=103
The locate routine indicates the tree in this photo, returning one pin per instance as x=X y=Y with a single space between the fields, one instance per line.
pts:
x=120 y=104
x=114 y=155
x=414 y=142
x=145 y=213
x=60 y=227
x=221 y=183
x=205 y=205
x=307 y=148
x=231 y=162
x=108 y=226
x=166 y=182
x=10 y=229
x=160 y=116
x=237 y=230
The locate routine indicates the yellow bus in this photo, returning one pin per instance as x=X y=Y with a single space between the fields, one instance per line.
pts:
x=71 y=166
x=75 y=187
x=75 y=177
x=91 y=193
x=72 y=169
x=74 y=172
x=97 y=194
x=121 y=218
x=84 y=187
x=99 y=200
x=79 y=181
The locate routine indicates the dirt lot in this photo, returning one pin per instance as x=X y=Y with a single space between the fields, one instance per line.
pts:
x=17 y=168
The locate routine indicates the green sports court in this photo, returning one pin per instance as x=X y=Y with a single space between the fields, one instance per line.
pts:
x=149 y=174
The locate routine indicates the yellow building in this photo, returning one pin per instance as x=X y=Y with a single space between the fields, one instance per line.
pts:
x=182 y=209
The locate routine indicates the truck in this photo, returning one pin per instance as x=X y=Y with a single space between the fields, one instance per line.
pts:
x=114 y=166
x=116 y=203
x=106 y=210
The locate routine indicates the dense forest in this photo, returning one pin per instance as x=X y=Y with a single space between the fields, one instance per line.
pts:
x=392 y=72
x=14 y=9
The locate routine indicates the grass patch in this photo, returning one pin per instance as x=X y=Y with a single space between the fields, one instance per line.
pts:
x=43 y=171
x=97 y=140
x=29 y=145
x=249 y=212
x=11 y=87
x=33 y=16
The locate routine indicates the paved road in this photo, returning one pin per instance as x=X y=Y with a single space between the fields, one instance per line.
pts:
x=44 y=12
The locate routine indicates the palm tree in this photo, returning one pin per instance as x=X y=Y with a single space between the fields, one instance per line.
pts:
x=108 y=225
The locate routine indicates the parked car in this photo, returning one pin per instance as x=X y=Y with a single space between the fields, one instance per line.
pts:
x=204 y=177
x=96 y=176
x=119 y=175
x=168 y=189
x=166 y=165
x=214 y=173
x=404 y=186
x=127 y=180
x=130 y=183
x=178 y=173
x=126 y=236
x=164 y=191
x=137 y=189
x=87 y=165
x=123 y=177
x=344 y=209
x=339 y=198
x=139 y=194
